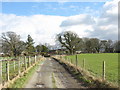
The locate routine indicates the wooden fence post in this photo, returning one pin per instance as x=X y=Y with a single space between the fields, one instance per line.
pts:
x=19 y=67
x=28 y=61
x=60 y=57
x=14 y=64
x=0 y=74
x=103 y=70
x=65 y=57
x=25 y=62
x=76 y=60
x=31 y=60
x=21 y=62
x=71 y=60
x=35 y=58
x=84 y=63
x=7 y=71
x=68 y=60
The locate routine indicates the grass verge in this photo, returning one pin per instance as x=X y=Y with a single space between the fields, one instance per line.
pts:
x=84 y=77
x=94 y=64
x=53 y=81
x=21 y=82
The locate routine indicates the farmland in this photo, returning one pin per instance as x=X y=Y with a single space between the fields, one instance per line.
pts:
x=93 y=64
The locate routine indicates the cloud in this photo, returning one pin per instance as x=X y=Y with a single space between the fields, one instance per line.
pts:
x=78 y=20
x=43 y=28
x=104 y=27
x=107 y=24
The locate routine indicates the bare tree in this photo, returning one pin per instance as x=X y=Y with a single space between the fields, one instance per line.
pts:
x=70 y=41
x=117 y=46
x=12 y=44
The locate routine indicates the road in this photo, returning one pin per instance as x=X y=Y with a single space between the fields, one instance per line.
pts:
x=52 y=75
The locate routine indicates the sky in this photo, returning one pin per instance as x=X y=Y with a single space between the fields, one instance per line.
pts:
x=44 y=20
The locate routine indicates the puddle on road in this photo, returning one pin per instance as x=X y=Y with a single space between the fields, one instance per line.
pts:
x=39 y=85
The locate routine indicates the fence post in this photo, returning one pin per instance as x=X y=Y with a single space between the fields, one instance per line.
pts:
x=35 y=58
x=14 y=64
x=19 y=66
x=71 y=60
x=84 y=63
x=65 y=57
x=0 y=74
x=31 y=60
x=68 y=60
x=25 y=62
x=21 y=62
x=7 y=71
x=103 y=70
x=60 y=56
x=28 y=61
x=76 y=60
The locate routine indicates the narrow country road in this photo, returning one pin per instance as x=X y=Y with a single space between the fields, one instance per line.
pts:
x=52 y=75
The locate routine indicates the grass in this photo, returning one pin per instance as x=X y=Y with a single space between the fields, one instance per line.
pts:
x=21 y=82
x=53 y=81
x=13 y=72
x=93 y=64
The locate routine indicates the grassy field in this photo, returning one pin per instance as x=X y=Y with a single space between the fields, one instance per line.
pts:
x=93 y=64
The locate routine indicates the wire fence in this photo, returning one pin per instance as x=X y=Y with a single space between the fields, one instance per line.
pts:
x=84 y=65
x=11 y=68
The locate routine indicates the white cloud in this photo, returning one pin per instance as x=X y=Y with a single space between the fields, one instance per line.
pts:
x=78 y=20
x=43 y=28
x=107 y=24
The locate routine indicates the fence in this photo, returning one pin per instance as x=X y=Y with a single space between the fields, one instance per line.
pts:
x=75 y=62
x=12 y=68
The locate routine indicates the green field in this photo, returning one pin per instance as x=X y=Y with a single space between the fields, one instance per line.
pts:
x=93 y=64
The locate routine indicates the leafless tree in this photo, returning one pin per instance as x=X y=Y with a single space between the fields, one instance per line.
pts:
x=70 y=41
x=12 y=44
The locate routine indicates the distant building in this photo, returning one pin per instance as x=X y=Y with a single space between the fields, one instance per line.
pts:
x=78 y=52
x=57 y=51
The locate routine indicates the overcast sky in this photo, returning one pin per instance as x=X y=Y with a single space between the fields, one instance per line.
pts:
x=43 y=20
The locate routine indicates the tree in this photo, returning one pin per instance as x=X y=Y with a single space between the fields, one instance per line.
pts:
x=38 y=48
x=95 y=45
x=117 y=46
x=44 y=48
x=107 y=45
x=91 y=45
x=70 y=41
x=88 y=45
x=12 y=44
x=30 y=49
